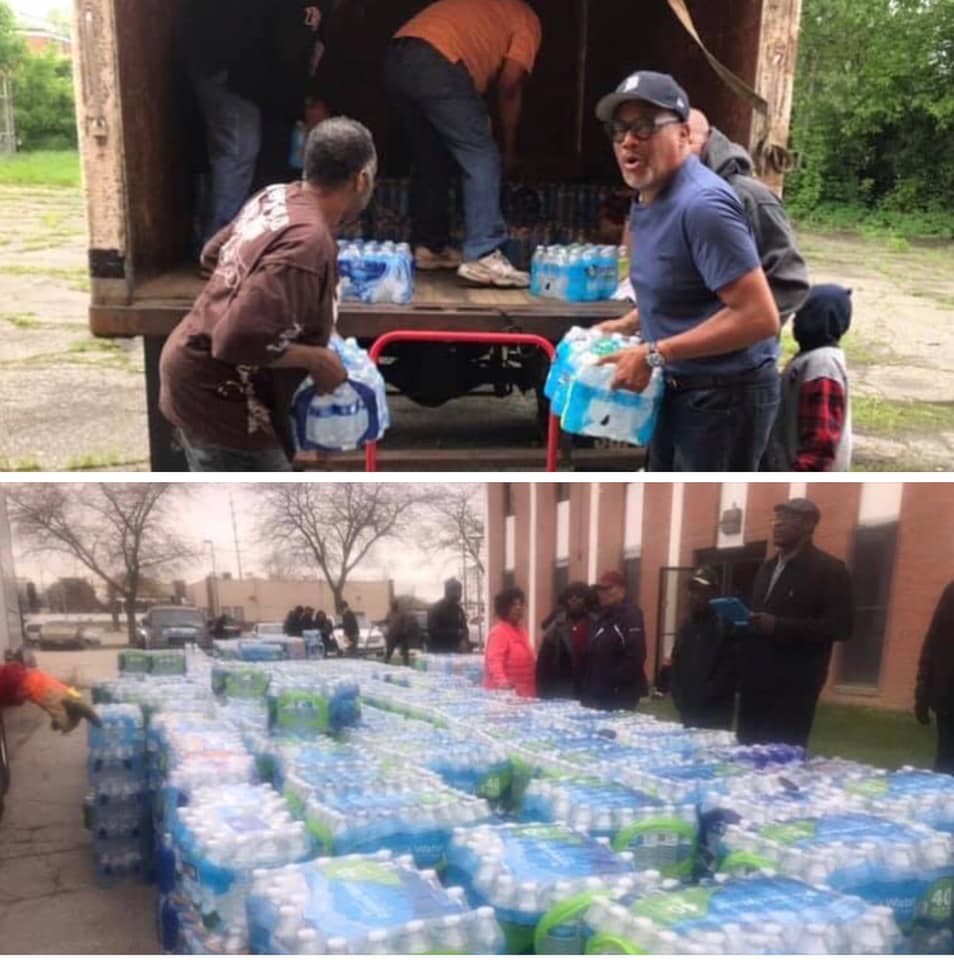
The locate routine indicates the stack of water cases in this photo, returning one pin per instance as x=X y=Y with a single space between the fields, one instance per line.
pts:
x=312 y=706
x=224 y=834
x=580 y=390
x=762 y=914
x=466 y=665
x=365 y=905
x=157 y=663
x=524 y=871
x=577 y=273
x=373 y=272
x=117 y=806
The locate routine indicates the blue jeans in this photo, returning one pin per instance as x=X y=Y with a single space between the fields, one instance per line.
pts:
x=446 y=122
x=716 y=427
x=203 y=458
x=233 y=130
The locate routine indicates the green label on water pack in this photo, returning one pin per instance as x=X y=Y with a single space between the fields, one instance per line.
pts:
x=320 y=831
x=790 y=833
x=301 y=712
x=876 y=787
x=937 y=905
x=493 y=785
x=362 y=871
x=668 y=909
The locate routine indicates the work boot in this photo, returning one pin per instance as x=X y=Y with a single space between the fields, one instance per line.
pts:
x=493 y=270
x=427 y=259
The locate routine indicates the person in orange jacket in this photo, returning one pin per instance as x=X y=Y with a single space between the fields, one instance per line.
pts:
x=21 y=681
x=509 y=662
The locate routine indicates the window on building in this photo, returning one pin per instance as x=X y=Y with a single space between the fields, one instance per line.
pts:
x=872 y=567
x=561 y=578
x=508 y=499
x=509 y=579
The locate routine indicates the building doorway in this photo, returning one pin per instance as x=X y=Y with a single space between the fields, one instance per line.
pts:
x=737 y=566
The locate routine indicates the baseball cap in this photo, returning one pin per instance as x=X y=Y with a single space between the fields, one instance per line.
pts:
x=705 y=577
x=800 y=506
x=612 y=578
x=658 y=89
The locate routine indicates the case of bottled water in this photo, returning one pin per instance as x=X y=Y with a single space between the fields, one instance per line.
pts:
x=660 y=837
x=155 y=662
x=409 y=814
x=575 y=273
x=905 y=866
x=466 y=665
x=374 y=272
x=222 y=835
x=353 y=414
x=364 y=905
x=905 y=794
x=230 y=680
x=525 y=870
x=761 y=914
x=313 y=706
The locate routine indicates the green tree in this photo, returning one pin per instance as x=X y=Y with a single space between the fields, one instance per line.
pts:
x=12 y=47
x=43 y=102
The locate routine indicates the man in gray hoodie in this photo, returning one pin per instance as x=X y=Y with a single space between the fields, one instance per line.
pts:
x=784 y=267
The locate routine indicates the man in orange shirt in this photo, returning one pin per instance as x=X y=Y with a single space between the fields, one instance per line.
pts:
x=438 y=67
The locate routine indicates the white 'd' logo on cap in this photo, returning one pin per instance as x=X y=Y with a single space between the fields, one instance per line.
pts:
x=631 y=83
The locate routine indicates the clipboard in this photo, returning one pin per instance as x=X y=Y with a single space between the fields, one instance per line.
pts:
x=732 y=611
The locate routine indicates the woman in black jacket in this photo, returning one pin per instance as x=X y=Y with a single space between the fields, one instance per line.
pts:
x=562 y=653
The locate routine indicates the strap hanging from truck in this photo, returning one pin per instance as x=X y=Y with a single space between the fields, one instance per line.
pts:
x=734 y=83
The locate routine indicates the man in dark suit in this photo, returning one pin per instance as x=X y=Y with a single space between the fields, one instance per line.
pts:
x=802 y=605
x=935 y=684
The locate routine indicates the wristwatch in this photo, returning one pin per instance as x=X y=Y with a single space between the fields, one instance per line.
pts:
x=654 y=359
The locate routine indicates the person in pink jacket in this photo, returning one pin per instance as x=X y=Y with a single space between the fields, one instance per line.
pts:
x=509 y=663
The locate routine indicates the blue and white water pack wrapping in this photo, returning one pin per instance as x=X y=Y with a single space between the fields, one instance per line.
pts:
x=373 y=272
x=758 y=915
x=364 y=905
x=353 y=414
x=580 y=394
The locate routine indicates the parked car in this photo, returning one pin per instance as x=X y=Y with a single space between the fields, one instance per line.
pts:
x=31 y=632
x=370 y=637
x=168 y=627
x=67 y=635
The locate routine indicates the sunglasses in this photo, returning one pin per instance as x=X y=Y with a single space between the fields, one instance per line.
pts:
x=643 y=130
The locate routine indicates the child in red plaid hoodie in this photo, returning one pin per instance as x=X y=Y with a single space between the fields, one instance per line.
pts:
x=813 y=429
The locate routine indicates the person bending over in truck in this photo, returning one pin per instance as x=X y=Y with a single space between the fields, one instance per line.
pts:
x=783 y=265
x=254 y=67
x=230 y=368
x=438 y=67
x=705 y=309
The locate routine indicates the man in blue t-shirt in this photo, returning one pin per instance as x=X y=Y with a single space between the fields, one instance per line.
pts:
x=703 y=305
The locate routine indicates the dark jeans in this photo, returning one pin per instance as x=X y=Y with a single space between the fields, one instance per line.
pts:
x=721 y=427
x=398 y=643
x=777 y=716
x=944 y=761
x=209 y=459
x=446 y=122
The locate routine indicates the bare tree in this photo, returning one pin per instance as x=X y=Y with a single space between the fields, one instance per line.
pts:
x=456 y=521
x=335 y=525
x=118 y=531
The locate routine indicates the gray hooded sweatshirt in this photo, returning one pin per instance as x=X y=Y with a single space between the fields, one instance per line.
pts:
x=774 y=239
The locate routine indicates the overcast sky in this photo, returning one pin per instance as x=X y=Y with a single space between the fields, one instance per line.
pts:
x=207 y=516
x=39 y=8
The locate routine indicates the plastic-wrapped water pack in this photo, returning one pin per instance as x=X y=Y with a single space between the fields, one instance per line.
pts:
x=762 y=914
x=374 y=272
x=353 y=414
x=154 y=662
x=313 y=706
x=364 y=905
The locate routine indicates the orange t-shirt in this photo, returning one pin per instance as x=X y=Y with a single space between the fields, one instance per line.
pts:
x=481 y=33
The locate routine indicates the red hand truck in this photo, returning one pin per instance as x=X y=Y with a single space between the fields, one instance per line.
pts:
x=448 y=336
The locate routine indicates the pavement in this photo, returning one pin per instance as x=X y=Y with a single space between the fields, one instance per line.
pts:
x=49 y=898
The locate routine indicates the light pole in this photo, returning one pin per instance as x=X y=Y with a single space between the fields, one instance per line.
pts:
x=214 y=592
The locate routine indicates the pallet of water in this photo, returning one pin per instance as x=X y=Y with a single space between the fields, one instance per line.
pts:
x=364 y=904
x=902 y=865
x=524 y=871
x=757 y=915
x=116 y=809
x=660 y=836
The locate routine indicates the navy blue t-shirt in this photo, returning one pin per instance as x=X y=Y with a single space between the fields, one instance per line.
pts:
x=690 y=242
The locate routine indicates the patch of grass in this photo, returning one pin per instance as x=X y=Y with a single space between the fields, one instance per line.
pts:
x=885 y=738
x=41 y=168
x=28 y=464
x=896 y=417
x=900 y=227
x=22 y=321
x=94 y=346
x=97 y=461
x=788 y=345
x=76 y=277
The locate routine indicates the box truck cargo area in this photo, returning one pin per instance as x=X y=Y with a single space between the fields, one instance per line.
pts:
x=142 y=145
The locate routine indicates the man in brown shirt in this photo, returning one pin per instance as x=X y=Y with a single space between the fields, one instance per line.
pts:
x=229 y=370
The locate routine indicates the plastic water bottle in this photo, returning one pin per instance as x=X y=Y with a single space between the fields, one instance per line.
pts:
x=536 y=272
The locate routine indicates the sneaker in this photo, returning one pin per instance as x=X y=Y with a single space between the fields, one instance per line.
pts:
x=446 y=259
x=494 y=270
